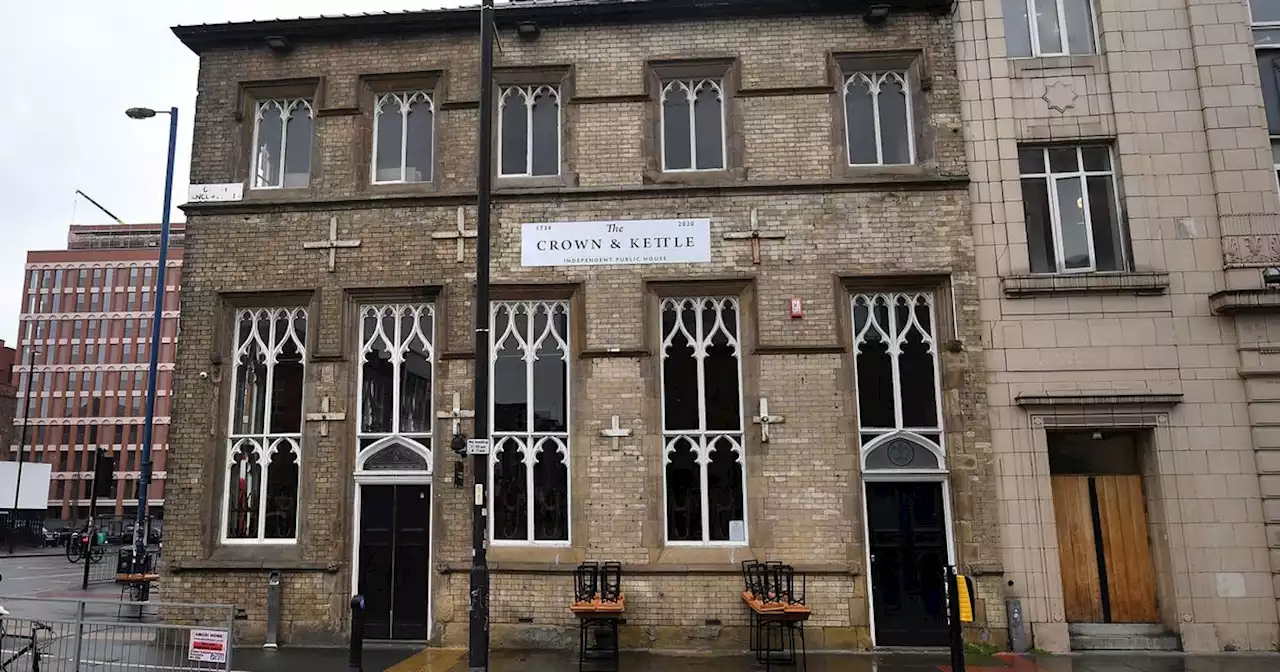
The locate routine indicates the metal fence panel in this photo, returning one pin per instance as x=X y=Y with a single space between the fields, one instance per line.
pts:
x=56 y=635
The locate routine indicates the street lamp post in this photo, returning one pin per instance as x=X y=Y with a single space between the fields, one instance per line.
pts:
x=22 y=442
x=478 y=630
x=148 y=426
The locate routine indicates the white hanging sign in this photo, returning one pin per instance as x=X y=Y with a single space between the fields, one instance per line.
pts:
x=215 y=193
x=646 y=241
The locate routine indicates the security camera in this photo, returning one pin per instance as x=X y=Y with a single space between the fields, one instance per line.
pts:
x=204 y=375
x=1271 y=276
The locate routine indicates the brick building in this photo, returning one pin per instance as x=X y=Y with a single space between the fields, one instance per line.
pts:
x=809 y=162
x=87 y=312
x=1120 y=157
x=8 y=396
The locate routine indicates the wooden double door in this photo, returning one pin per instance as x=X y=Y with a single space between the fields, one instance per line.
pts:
x=1104 y=547
x=395 y=560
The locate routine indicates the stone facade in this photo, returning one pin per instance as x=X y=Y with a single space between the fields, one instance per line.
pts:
x=1173 y=89
x=845 y=229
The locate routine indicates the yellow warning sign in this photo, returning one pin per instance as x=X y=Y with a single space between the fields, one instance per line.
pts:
x=965 y=599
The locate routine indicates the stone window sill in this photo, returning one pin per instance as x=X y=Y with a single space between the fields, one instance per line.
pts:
x=403 y=188
x=704 y=177
x=538 y=182
x=1141 y=283
x=1232 y=301
x=1040 y=65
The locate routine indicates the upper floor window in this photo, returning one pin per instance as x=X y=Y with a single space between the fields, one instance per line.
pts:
x=878 y=118
x=1265 y=11
x=529 y=131
x=403 y=137
x=282 y=132
x=1049 y=27
x=1069 y=198
x=693 y=128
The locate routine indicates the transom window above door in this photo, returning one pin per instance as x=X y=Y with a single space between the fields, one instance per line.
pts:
x=529 y=396
x=403 y=137
x=898 y=380
x=1049 y=27
x=282 y=131
x=1072 y=209
x=397 y=374
x=692 y=123
x=529 y=136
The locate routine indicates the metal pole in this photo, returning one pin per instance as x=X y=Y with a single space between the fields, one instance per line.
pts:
x=478 y=633
x=953 y=613
x=355 y=650
x=144 y=481
x=87 y=549
x=22 y=442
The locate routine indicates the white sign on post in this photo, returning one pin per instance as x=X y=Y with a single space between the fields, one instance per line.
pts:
x=215 y=193
x=646 y=241
x=208 y=646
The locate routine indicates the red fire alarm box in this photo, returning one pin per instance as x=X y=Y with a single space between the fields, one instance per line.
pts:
x=797 y=309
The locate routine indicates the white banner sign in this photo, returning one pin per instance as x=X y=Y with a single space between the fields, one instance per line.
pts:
x=646 y=241
x=208 y=646
x=215 y=193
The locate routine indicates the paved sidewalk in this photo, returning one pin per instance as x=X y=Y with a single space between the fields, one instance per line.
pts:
x=403 y=660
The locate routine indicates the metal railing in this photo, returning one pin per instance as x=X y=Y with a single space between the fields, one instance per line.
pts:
x=1251 y=241
x=60 y=635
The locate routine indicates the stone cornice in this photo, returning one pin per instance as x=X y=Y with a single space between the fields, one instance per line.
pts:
x=1232 y=301
x=1097 y=399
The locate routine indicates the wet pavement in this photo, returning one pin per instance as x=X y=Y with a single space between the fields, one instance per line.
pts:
x=401 y=660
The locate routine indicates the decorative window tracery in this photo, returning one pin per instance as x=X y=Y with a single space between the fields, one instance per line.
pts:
x=897 y=373
x=878 y=118
x=529 y=464
x=693 y=136
x=397 y=373
x=403 y=137
x=703 y=459
x=282 y=131
x=529 y=131
x=265 y=427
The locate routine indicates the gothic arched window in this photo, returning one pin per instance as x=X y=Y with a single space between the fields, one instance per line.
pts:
x=693 y=136
x=397 y=374
x=403 y=137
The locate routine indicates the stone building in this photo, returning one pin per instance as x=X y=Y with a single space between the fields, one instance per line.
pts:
x=786 y=346
x=1119 y=157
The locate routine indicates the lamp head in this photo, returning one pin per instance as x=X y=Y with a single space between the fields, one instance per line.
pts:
x=140 y=113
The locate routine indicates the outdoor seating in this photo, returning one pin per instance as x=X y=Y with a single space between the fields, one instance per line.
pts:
x=777 y=612
x=599 y=603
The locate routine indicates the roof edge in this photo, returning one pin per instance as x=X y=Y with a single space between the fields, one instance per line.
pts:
x=204 y=37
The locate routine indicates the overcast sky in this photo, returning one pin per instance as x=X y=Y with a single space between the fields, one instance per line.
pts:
x=67 y=73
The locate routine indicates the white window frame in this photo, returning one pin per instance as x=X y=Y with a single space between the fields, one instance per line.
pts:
x=529 y=93
x=397 y=344
x=690 y=87
x=404 y=101
x=268 y=443
x=700 y=436
x=287 y=109
x=874 y=80
x=1055 y=214
x=534 y=440
x=895 y=338
x=1032 y=21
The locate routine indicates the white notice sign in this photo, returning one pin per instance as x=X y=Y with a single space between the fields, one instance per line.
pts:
x=215 y=193
x=477 y=446
x=737 y=530
x=208 y=646
x=646 y=241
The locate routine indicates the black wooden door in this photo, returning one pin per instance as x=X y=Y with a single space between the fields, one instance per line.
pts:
x=395 y=559
x=908 y=533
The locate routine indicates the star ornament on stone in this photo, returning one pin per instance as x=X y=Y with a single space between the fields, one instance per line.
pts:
x=1060 y=96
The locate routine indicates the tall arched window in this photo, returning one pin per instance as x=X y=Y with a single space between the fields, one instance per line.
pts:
x=397 y=374
x=693 y=136
x=282 y=132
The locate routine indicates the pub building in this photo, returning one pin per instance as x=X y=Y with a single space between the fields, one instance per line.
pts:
x=734 y=316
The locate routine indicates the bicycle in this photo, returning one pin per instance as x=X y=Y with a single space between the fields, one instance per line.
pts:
x=75 y=549
x=32 y=644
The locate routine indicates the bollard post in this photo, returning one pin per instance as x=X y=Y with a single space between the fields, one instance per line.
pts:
x=355 y=659
x=273 y=612
x=953 y=613
x=75 y=656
